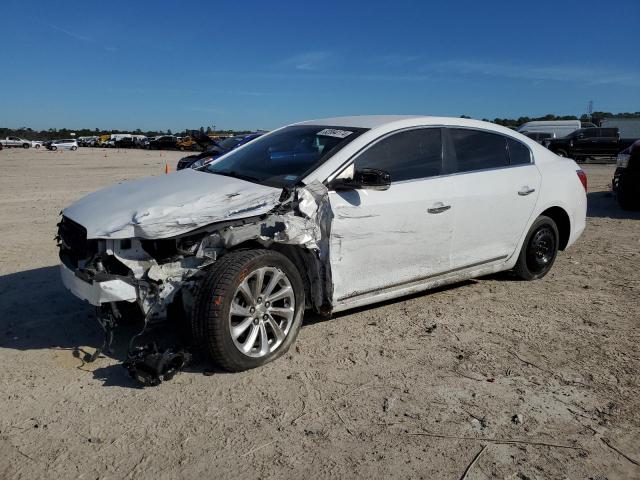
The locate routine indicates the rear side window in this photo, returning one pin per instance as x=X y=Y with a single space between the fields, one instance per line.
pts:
x=477 y=150
x=608 y=132
x=519 y=153
x=406 y=155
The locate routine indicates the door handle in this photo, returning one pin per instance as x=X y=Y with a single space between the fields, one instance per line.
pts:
x=526 y=191
x=439 y=208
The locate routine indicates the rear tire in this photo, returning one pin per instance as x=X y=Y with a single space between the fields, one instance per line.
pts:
x=25 y=145
x=239 y=329
x=74 y=148
x=54 y=148
x=562 y=153
x=539 y=250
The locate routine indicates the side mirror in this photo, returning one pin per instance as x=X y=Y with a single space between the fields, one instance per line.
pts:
x=365 y=178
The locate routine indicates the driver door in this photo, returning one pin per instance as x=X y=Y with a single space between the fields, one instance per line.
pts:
x=387 y=238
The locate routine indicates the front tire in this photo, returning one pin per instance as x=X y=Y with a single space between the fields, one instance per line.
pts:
x=248 y=309
x=74 y=149
x=54 y=148
x=539 y=250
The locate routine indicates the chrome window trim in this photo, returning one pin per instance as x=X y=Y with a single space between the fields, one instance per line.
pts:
x=347 y=163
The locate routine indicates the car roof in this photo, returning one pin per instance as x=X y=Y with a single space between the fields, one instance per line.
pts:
x=390 y=122
x=359 y=121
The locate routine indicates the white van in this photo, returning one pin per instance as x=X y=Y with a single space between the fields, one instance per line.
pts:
x=558 y=128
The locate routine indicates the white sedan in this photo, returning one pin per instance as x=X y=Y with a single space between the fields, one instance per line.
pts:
x=64 y=144
x=322 y=215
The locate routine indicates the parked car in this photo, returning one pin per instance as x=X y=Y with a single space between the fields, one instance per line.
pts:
x=324 y=215
x=91 y=141
x=626 y=179
x=164 y=142
x=65 y=144
x=140 y=141
x=589 y=142
x=215 y=150
x=36 y=143
x=125 y=142
x=15 y=142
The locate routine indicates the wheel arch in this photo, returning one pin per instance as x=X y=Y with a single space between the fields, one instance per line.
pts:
x=562 y=220
x=316 y=277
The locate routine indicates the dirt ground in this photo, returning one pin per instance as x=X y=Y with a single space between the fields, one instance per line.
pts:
x=540 y=379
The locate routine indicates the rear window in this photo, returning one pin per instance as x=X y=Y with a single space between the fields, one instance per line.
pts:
x=477 y=150
x=519 y=153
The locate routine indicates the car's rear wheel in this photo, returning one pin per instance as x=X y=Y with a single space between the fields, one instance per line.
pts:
x=53 y=147
x=25 y=145
x=248 y=309
x=539 y=250
x=74 y=148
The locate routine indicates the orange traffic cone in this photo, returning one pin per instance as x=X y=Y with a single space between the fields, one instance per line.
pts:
x=166 y=168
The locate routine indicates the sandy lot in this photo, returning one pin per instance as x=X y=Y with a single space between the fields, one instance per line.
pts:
x=414 y=388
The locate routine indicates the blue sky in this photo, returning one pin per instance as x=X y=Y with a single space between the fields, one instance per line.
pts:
x=257 y=64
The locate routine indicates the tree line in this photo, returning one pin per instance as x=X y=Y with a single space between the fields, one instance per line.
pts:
x=54 y=133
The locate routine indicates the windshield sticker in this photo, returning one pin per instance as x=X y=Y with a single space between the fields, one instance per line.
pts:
x=290 y=177
x=330 y=132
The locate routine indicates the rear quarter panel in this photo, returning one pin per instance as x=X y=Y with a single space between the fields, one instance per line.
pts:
x=561 y=187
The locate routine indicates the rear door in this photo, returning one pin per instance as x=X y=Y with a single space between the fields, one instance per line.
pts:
x=607 y=142
x=383 y=239
x=495 y=187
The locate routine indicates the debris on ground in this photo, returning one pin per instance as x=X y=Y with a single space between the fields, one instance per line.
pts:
x=150 y=367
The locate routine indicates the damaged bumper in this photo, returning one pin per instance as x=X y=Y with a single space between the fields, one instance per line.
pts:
x=97 y=292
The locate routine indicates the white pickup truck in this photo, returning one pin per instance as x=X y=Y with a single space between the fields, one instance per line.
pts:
x=15 y=142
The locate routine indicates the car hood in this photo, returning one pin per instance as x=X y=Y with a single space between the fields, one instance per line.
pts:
x=169 y=205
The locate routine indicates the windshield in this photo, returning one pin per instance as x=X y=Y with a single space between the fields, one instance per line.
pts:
x=286 y=156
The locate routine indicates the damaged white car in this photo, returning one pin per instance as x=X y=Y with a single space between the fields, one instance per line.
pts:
x=323 y=215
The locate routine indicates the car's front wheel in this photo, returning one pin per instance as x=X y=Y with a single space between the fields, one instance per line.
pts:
x=54 y=148
x=539 y=250
x=248 y=309
x=74 y=148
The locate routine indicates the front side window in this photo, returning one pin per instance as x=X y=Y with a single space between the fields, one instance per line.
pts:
x=285 y=156
x=477 y=150
x=407 y=155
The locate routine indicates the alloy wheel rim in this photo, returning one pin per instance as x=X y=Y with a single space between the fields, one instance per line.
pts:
x=262 y=311
x=542 y=248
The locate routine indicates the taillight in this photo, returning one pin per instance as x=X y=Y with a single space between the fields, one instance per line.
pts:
x=583 y=178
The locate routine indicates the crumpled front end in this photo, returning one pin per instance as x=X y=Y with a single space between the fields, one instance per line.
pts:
x=153 y=273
